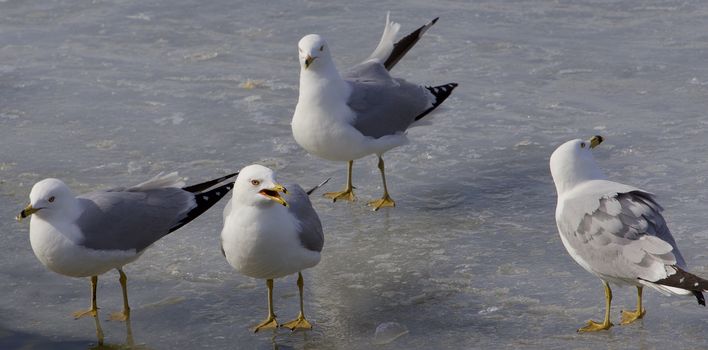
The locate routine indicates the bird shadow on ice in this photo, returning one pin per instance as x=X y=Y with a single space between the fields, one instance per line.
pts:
x=480 y=190
x=128 y=343
x=11 y=339
x=498 y=177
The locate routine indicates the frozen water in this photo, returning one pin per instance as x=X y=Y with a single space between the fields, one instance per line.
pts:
x=108 y=93
x=388 y=332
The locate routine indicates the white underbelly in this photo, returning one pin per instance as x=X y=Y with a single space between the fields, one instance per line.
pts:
x=269 y=250
x=62 y=256
x=329 y=135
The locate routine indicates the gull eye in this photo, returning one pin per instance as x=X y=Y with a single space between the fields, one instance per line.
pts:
x=582 y=145
x=255 y=182
x=321 y=47
x=51 y=199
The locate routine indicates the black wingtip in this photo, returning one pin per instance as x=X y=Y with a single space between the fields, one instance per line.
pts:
x=441 y=93
x=685 y=280
x=401 y=47
x=204 y=201
x=209 y=184
x=309 y=192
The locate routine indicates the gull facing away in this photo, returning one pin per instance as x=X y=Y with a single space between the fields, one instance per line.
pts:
x=343 y=117
x=90 y=234
x=269 y=236
x=616 y=232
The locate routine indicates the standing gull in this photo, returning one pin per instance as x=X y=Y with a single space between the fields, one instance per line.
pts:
x=269 y=236
x=90 y=234
x=616 y=232
x=365 y=110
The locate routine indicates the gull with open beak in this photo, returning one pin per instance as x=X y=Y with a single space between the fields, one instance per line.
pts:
x=270 y=232
x=90 y=234
x=616 y=232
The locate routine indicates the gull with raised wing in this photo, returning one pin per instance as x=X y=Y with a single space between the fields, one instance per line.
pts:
x=343 y=117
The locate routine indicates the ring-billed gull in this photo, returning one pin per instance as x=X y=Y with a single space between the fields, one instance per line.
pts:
x=90 y=234
x=365 y=110
x=269 y=236
x=616 y=231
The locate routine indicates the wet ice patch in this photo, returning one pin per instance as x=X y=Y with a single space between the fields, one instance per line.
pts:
x=11 y=114
x=140 y=16
x=488 y=310
x=174 y=119
x=103 y=145
x=201 y=56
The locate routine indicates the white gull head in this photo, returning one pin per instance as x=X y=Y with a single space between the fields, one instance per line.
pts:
x=573 y=163
x=51 y=199
x=313 y=52
x=256 y=186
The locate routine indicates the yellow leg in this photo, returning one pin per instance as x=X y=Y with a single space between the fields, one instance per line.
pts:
x=631 y=316
x=386 y=200
x=593 y=326
x=129 y=341
x=300 y=322
x=93 y=310
x=348 y=193
x=270 y=322
x=99 y=332
x=125 y=314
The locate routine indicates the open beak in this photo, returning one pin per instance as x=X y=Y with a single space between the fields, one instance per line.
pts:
x=274 y=194
x=29 y=210
x=308 y=61
x=595 y=140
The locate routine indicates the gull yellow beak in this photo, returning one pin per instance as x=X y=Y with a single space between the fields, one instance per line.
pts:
x=274 y=194
x=29 y=210
x=308 y=61
x=595 y=140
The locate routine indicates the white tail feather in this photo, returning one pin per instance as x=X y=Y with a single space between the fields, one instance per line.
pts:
x=383 y=50
x=160 y=181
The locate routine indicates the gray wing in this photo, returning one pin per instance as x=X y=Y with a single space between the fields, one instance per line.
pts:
x=383 y=105
x=626 y=236
x=310 y=231
x=369 y=71
x=130 y=219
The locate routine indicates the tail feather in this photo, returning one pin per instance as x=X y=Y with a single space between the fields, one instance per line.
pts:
x=206 y=185
x=402 y=47
x=309 y=192
x=699 y=296
x=687 y=281
x=385 y=47
x=204 y=200
x=441 y=93
x=160 y=180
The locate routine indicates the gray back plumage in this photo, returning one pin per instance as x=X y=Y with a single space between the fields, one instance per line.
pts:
x=624 y=236
x=299 y=205
x=630 y=216
x=126 y=219
x=383 y=105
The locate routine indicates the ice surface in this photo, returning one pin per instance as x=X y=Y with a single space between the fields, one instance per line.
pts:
x=388 y=332
x=109 y=93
